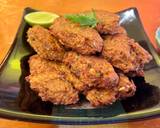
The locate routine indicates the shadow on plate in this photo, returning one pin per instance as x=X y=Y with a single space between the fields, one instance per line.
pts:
x=146 y=96
x=28 y=100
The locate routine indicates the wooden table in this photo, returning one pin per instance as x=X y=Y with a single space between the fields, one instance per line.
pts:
x=10 y=16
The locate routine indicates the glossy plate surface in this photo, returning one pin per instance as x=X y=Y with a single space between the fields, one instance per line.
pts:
x=19 y=102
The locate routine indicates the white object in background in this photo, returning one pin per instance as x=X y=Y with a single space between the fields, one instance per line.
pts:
x=157 y=36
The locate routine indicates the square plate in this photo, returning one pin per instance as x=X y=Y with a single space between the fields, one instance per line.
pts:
x=18 y=101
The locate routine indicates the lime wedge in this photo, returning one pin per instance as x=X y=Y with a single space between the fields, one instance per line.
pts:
x=44 y=19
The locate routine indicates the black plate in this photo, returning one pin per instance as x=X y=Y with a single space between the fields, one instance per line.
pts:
x=19 y=102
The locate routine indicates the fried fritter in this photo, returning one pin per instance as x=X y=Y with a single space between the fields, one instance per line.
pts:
x=125 y=54
x=108 y=23
x=52 y=87
x=53 y=81
x=84 y=40
x=93 y=71
x=126 y=87
x=44 y=43
x=99 y=97
x=120 y=30
x=105 y=96
x=40 y=65
x=74 y=59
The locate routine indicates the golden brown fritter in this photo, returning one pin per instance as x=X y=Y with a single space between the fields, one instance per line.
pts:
x=84 y=40
x=125 y=54
x=99 y=97
x=52 y=87
x=93 y=71
x=108 y=23
x=40 y=65
x=104 y=96
x=74 y=59
x=44 y=43
x=120 y=30
x=53 y=81
x=126 y=87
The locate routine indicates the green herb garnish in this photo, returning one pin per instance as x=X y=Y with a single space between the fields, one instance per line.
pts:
x=84 y=19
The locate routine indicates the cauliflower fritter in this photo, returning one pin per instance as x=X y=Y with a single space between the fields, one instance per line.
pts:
x=93 y=71
x=44 y=43
x=84 y=40
x=125 y=54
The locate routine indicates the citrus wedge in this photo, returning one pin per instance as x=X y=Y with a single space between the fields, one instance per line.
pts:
x=44 y=19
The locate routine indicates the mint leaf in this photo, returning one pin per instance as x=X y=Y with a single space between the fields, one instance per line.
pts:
x=84 y=19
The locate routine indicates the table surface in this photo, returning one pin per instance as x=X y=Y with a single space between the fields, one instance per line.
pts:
x=11 y=13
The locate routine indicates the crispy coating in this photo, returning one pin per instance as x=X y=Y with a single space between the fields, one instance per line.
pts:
x=104 y=96
x=40 y=65
x=44 y=43
x=125 y=54
x=126 y=87
x=52 y=87
x=119 y=30
x=99 y=97
x=73 y=59
x=84 y=40
x=93 y=71
x=53 y=81
x=108 y=23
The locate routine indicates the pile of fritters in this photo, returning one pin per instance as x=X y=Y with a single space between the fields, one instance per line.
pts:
x=73 y=60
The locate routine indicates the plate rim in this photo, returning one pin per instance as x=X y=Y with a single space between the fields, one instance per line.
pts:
x=152 y=112
x=132 y=116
